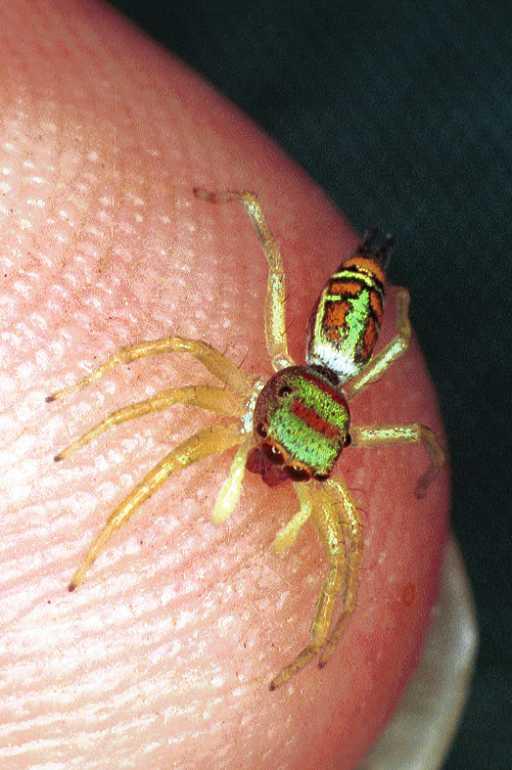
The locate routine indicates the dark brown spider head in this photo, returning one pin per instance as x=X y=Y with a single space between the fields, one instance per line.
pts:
x=301 y=423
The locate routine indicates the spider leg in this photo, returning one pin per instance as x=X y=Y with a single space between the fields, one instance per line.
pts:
x=376 y=367
x=414 y=433
x=275 y=320
x=229 y=494
x=353 y=532
x=213 y=399
x=216 y=363
x=212 y=440
x=287 y=535
x=325 y=514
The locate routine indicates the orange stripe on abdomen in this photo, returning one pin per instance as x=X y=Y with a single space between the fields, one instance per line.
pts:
x=376 y=305
x=344 y=288
x=334 y=318
x=369 y=339
x=365 y=265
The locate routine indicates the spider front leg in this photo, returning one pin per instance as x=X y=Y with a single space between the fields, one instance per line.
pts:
x=381 y=362
x=229 y=401
x=229 y=493
x=414 y=433
x=287 y=535
x=212 y=440
x=214 y=361
x=275 y=319
x=340 y=531
x=219 y=400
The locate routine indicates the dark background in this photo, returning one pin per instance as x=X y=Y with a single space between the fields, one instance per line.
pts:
x=402 y=111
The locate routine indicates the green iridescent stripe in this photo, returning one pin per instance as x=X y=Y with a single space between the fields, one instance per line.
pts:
x=321 y=402
x=303 y=442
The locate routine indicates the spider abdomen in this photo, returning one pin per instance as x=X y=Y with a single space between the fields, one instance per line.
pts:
x=347 y=318
x=301 y=420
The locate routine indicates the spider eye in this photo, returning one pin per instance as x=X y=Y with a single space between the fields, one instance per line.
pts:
x=321 y=476
x=284 y=391
x=348 y=440
x=297 y=474
x=273 y=454
x=261 y=430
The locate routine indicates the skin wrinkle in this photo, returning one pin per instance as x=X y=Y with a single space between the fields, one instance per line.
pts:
x=162 y=657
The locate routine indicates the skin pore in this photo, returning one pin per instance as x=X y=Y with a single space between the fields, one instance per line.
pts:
x=162 y=657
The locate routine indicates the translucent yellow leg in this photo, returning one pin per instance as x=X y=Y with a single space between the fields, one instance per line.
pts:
x=216 y=363
x=212 y=440
x=404 y=434
x=229 y=493
x=275 y=321
x=326 y=515
x=389 y=354
x=287 y=535
x=217 y=400
x=353 y=533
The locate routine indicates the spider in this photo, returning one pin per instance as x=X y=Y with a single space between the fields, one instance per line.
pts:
x=291 y=428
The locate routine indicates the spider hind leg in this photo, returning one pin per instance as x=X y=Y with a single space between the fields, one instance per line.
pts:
x=395 y=348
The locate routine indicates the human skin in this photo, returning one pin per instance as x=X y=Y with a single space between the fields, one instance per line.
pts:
x=163 y=657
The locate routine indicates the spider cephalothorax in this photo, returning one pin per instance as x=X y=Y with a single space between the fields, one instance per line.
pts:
x=301 y=421
x=294 y=427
